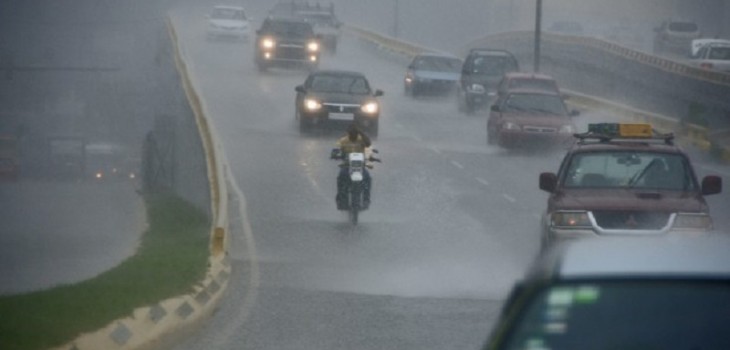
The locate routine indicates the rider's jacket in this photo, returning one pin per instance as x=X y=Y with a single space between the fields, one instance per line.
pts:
x=359 y=145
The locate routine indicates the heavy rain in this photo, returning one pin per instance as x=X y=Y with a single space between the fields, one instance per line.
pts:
x=109 y=108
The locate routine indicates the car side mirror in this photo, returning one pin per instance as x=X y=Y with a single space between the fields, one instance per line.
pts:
x=548 y=182
x=574 y=113
x=711 y=184
x=378 y=93
x=300 y=88
x=495 y=108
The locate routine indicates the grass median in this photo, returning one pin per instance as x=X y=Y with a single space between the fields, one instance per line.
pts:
x=172 y=256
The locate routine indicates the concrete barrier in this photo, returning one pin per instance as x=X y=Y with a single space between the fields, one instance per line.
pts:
x=154 y=326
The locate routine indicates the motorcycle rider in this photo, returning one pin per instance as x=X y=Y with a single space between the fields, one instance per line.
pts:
x=355 y=141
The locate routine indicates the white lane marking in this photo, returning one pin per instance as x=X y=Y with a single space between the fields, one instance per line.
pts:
x=482 y=181
x=435 y=150
x=509 y=198
x=457 y=164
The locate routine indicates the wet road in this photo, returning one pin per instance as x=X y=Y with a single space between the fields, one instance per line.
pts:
x=453 y=222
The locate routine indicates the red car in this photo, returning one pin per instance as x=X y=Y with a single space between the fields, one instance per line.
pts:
x=525 y=117
x=519 y=81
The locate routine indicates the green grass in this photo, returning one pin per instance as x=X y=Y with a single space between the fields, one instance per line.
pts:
x=172 y=257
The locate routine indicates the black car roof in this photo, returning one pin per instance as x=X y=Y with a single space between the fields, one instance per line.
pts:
x=492 y=52
x=337 y=72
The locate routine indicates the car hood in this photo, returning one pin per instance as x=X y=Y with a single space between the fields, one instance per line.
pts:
x=628 y=200
x=425 y=74
x=550 y=120
x=336 y=97
x=228 y=23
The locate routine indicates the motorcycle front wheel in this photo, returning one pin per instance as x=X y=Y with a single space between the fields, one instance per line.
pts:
x=354 y=204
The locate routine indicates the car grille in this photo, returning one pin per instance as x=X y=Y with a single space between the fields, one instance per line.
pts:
x=341 y=108
x=539 y=129
x=291 y=51
x=631 y=220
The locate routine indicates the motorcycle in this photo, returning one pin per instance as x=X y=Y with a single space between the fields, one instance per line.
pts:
x=356 y=164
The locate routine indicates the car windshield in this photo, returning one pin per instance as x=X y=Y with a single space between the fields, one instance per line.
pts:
x=339 y=83
x=685 y=27
x=719 y=53
x=227 y=13
x=537 y=84
x=320 y=19
x=626 y=315
x=437 y=64
x=626 y=169
x=289 y=29
x=535 y=104
x=493 y=65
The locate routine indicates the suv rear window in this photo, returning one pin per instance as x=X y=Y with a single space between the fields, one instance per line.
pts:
x=685 y=27
x=493 y=65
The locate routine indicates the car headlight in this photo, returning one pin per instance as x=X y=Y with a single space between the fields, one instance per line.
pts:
x=313 y=46
x=571 y=219
x=476 y=88
x=370 y=108
x=692 y=221
x=268 y=43
x=312 y=105
x=510 y=126
x=567 y=129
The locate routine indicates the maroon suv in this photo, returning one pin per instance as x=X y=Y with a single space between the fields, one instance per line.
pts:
x=610 y=185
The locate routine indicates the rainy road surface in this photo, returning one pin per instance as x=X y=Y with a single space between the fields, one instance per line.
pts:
x=453 y=221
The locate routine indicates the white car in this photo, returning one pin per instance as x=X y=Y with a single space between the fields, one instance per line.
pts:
x=228 y=21
x=697 y=44
x=713 y=55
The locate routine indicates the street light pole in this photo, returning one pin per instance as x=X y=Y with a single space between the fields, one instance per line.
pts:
x=396 y=17
x=538 y=30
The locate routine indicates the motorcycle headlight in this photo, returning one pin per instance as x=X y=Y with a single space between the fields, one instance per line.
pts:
x=510 y=126
x=571 y=219
x=268 y=43
x=692 y=221
x=370 y=108
x=312 y=105
x=567 y=129
x=476 y=88
x=313 y=46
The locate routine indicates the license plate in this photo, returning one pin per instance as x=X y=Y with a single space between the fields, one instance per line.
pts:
x=341 y=116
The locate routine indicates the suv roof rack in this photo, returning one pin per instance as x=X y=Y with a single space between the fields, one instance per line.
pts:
x=607 y=132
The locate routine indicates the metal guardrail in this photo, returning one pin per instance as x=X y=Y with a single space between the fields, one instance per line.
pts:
x=688 y=133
